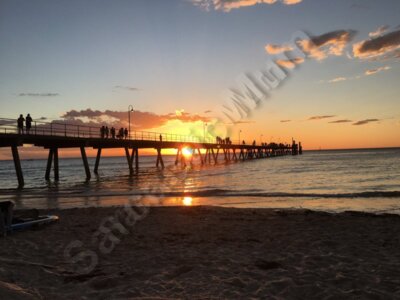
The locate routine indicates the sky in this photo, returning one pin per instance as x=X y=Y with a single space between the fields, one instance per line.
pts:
x=86 y=61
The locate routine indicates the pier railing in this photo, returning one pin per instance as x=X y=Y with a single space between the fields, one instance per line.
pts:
x=10 y=126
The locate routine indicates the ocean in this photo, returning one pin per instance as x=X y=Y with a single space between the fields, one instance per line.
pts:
x=338 y=180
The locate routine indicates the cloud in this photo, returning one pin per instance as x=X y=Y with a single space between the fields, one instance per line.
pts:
x=331 y=43
x=291 y=2
x=341 y=121
x=337 y=79
x=38 y=94
x=381 y=30
x=128 y=88
x=320 y=117
x=276 y=49
x=377 y=70
x=207 y=111
x=243 y=122
x=139 y=120
x=379 y=46
x=289 y=64
x=366 y=73
x=366 y=121
x=286 y=121
x=228 y=5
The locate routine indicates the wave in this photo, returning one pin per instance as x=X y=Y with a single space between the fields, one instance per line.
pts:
x=368 y=194
x=230 y=193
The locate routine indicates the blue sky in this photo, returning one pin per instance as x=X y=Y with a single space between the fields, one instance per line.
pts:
x=162 y=56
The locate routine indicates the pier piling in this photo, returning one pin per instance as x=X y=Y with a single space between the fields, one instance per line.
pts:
x=129 y=160
x=85 y=163
x=56 y=171
x=17 y=164
x=159 y=159
x=96 y=165
x=49 y=162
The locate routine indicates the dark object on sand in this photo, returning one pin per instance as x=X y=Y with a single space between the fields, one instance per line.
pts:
x=267 y=265
x=25 y=220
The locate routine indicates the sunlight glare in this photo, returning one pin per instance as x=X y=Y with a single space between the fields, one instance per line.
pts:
x=187 y=152
x=187 y=201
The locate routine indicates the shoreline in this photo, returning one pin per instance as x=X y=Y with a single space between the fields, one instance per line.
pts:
x=208 y=252
x=380 y=202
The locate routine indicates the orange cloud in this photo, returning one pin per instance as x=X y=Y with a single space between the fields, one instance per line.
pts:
x=139 y=120
x=331 y=43
x=291 y=63
x=381 y=30
x=228 y=5
x=337 y=79
x=381 y=46
x=291 y=2
x=377 y=70
x=276 y=49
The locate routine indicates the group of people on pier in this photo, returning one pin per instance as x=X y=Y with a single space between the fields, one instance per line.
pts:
x=105 y=133
x=28 y=123
x=225 y=141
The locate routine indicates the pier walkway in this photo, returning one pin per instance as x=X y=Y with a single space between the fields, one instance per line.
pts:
x=54 y=136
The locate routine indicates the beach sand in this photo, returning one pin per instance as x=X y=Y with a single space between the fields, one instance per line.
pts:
x=207 y=253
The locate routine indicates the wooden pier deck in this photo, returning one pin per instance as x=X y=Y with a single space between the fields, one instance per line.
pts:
x=55 y=136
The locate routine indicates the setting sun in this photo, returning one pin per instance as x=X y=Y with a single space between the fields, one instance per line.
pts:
x=187 y=201
x=187 y=152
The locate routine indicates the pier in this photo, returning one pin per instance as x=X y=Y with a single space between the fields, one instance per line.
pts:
x=54 y=136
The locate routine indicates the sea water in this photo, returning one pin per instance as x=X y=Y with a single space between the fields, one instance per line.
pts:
x=337 y=180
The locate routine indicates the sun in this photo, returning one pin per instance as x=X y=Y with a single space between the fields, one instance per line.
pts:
x=187 y=201
x=187 y=152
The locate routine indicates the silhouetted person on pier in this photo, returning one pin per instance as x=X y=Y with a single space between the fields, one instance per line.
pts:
x=112 y=131
x=254 y=142
x=160 y=138
x=106 y=131
x=20 y=123
x=102 y=129
x=28 y=123
x=120 y=133
x=244 y=143
x=126 y=132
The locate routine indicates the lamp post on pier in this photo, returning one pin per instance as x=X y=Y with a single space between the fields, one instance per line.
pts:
x=204 y=131
x=240 y=131
x=130 y=109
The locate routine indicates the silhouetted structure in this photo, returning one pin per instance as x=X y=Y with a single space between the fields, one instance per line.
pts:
x=55 y=136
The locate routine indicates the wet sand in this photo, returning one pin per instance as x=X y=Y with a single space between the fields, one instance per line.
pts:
x=205 y=253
